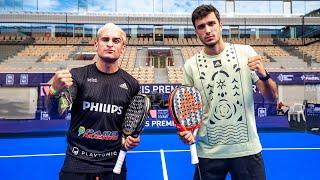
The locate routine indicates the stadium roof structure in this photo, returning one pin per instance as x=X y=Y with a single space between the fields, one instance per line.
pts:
x=314 y=13
x=150 y=19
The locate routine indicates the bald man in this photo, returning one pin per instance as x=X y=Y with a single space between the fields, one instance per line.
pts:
x=97 y=96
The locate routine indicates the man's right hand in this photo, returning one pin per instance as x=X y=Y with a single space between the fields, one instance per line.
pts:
x=187 y=137
x=62 y=80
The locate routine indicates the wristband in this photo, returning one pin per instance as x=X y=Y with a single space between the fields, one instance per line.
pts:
x=265 y=78
x=53 y=91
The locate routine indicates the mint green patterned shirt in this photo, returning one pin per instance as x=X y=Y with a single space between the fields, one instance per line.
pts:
x=225 y=82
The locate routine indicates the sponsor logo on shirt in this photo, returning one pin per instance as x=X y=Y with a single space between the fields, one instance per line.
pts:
x=124 y=86
x=217 y=63
x=93 y=134
x=94 y=80
x=76 y=151
x=101 y=107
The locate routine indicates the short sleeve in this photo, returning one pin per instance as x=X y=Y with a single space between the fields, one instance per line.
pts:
x=251 y=53
x=187 y=76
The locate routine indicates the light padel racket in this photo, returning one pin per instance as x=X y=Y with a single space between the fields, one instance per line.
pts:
x=186 y=110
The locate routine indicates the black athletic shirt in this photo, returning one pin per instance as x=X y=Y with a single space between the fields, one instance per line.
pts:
x=100 y=101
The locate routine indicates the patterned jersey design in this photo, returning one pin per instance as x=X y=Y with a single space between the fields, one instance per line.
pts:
x=223 y=90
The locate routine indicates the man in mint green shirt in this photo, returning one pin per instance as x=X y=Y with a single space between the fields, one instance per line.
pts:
x=228 y=141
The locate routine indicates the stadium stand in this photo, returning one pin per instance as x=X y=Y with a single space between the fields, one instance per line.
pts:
x=45 y=50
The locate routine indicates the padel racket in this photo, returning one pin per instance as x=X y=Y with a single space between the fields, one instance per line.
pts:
x=133 y=124
x=185 y=108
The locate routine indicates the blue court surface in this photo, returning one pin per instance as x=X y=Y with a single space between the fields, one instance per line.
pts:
x=288 y=155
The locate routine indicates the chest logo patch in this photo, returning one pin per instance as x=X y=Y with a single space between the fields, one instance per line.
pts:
x=124 y=86
x=217 y=63
x=93 y=80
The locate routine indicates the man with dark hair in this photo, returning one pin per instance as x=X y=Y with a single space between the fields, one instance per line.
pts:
x=99 y=94
x=203 y=11
x=224 y=73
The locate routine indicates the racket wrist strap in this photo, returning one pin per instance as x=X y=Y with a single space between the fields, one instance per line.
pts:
x=53 y=92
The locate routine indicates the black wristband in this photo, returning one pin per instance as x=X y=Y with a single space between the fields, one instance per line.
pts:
x=266 y=77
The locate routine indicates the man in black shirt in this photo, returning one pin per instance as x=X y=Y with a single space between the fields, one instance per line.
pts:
x=99 y=95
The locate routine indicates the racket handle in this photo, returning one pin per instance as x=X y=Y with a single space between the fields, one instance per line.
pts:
x=194 y=155
x=118 y=166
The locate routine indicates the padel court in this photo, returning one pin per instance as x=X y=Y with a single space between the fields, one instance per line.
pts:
x=293 y=155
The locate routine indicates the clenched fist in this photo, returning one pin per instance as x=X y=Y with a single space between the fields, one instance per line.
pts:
x=62 y=80
x=255 y=64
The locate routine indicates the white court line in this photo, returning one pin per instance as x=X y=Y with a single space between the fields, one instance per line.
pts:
x=32 y=155
x=164 y=166
x=152 y=151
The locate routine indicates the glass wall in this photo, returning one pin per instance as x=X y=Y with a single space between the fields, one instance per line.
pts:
x=302 y=7
x=258 y=7
x=189 y=31
x=156 y=6
x=145 y=31
x=30 y=5
x=173 y=31
x=103 y=6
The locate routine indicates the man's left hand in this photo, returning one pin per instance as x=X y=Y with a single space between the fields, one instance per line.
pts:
x=131 y=142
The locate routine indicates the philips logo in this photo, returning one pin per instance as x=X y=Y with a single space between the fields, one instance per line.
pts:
x=94 y=80
x=101 y=107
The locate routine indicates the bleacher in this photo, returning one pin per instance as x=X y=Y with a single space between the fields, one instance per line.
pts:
x=175 y=75
x=48 y=54
x=13 y=38
x=311 y=50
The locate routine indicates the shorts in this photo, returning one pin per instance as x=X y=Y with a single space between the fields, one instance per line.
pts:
x=240 y=168
x=92 y=176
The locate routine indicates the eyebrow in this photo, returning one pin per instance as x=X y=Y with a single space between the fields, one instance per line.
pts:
x=107 y=37
x=209 y=22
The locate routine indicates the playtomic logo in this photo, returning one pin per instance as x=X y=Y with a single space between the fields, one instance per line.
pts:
x=77 y=151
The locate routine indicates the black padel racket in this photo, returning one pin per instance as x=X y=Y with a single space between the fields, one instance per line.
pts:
x=185 y=108
x=133 y=124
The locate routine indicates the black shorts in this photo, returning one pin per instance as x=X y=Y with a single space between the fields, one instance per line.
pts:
x=92 y=176
x=241 y=168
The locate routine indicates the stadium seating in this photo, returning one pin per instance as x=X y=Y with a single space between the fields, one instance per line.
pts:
x=47 y=54
x=144 y=75
x=174 y=75
x=311 y=50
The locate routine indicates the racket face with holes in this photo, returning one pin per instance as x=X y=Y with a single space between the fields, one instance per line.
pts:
x=185 y=108
x=136 y=115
